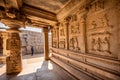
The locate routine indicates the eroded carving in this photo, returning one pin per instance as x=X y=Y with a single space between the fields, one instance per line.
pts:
x=54 y=43
x=74 y=25
x=74 y=44
x=97 y=5
x=62 y=43
x=100 y=35
x=101 y=44
x=13 y=42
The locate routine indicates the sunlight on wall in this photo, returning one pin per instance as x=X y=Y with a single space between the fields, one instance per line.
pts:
x=3 y=28
x=32 y=29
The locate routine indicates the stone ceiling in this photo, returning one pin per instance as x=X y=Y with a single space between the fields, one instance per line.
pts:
x=50 y=5
x=39 y=13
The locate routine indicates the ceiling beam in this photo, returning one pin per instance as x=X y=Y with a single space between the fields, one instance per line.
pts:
x=16 y=4
x=30 y=10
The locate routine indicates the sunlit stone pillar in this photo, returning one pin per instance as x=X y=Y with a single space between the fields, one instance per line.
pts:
x=13 y=61
x=46 y=44
x=4 y=44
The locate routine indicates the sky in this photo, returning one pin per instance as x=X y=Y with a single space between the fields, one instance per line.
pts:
x=27 y=28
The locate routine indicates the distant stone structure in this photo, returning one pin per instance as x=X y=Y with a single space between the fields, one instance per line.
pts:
x=30 y=38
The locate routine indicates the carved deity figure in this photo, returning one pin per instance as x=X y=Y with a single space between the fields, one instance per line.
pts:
x=106 y=45
x=74 y=44
x=105 y=21
x=62 y=43
x=94 y=25
x=96 y=44
x=75 y=26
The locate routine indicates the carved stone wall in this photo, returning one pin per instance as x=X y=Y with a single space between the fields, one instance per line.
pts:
x=89 y=39
x=30 y=38
x=102 y=34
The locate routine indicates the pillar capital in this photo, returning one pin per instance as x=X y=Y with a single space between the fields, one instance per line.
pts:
x=13 y=24
x=45 y=29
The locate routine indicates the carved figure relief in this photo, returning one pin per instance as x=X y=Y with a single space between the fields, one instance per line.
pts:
x=100 y=34
x=54 y=44
x=97 y=5
x=101 y=45
x=74 y=25
x=94 y=25
x=105 y=21
x=62 y=43
x=74 y=44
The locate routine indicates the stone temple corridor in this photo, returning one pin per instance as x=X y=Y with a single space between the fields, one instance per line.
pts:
x=85 y=39
x=35 y=68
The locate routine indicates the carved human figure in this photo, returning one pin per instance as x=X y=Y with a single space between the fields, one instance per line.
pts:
x=93 y=25
x=106 y=45
x=74 y=44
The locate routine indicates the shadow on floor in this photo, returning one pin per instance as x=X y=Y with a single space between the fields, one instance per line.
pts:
x=30 y=76
x=51 y=71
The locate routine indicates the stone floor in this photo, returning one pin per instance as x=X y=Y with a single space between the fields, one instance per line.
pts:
x=35 y=68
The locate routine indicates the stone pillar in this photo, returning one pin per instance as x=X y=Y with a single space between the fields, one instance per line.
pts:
x=57 y=37
x=13 y=61
x=46 y=44
x=4 y=44
x=67 y=35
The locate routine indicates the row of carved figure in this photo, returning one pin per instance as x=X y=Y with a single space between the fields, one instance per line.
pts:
x=101 y=45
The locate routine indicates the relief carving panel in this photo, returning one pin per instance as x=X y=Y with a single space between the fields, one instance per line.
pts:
x=75 y=33
x=62 y=35
x=100 y=34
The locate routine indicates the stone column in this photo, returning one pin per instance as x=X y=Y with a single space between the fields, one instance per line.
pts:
x=67 y=35
x=13 y=61
x=46 y=44
x=4 y=44
x=57 y=37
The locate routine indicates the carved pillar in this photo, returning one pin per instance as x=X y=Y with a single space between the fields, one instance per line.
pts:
x=4 y=44
x=83 y=23
x=67 y=35
x=57 y=37
x=46 y=44
x=14 y=63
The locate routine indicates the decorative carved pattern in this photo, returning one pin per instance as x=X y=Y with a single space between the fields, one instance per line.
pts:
x=62 y=32
x=103 y=20
x=14 y=42
x=100 y=35
x=74 y=25
x=54 y=43
x=54 y=33
x=97 y=5
x=14 y=58
x=101 y=45
x=62 y=43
